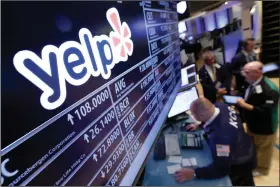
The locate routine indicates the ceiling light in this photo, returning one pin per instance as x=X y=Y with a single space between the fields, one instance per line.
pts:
x=181 y=7
x=252 y=11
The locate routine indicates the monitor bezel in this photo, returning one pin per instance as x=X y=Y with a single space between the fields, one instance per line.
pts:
x=183 y=88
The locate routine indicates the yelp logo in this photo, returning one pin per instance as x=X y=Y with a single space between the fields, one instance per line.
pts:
x=74 y=62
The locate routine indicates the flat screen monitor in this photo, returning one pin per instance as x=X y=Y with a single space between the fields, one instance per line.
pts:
x=183 y=101
x=189 y=76
x=86 y=87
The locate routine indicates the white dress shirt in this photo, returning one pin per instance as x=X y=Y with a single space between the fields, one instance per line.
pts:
x=254 y=84
x=210 y=71
x=247 y=55
x=216 y=113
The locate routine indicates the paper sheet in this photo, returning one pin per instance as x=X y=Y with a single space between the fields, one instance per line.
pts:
x=172 y=169
x=175 y=159
x=193 y=161
x=186 y=162
x=190 y=142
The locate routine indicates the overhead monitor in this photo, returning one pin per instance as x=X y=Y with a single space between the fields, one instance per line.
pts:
x=183 y=101
x=86 y=87
x=189 y=76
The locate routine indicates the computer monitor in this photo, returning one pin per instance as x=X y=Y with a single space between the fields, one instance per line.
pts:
x=86 y=88
x=189 y=76
x=183 y=101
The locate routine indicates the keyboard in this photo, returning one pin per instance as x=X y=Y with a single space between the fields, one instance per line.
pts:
x=191 y=140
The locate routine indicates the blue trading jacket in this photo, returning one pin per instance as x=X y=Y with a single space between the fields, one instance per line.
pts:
x=229 y=144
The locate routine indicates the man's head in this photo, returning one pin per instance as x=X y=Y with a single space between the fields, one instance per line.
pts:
x=202 y=109
x=208 y=57
x=252 y=71
x=249 y=45
x=206 y=35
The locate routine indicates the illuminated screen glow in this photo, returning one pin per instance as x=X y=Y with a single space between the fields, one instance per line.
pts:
x=222 y=18
x=87 y=91
x=209 y=21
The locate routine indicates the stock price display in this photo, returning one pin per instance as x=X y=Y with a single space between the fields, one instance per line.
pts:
x=79 y=102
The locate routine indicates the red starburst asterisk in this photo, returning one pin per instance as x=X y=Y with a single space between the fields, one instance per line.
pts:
x=121 y=35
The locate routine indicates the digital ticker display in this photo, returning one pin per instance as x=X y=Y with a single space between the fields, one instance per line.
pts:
x=86 y=87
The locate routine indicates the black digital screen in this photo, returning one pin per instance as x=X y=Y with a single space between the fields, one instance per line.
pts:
x=191 y=70
x=192 y=79
x=84 y=88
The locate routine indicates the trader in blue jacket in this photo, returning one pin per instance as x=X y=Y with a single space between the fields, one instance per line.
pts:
x=232 y=149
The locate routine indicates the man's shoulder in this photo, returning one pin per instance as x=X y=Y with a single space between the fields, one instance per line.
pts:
x=202 y=69
x=267 y=87
x=221 y=106
x=239 y=55
x=270 y=85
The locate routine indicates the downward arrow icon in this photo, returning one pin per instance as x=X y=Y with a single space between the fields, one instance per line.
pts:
x=102 y=174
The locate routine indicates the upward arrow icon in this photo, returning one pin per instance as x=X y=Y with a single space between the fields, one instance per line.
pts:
x=94 y=157
x=86 y=138
x=70 y=118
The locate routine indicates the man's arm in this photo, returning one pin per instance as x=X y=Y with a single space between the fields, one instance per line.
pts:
x=235 y=64
x=228 y=79
x=271 y=100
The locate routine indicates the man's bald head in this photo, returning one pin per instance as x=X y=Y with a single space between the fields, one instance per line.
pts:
x=202 y=109
x=253 y=71
x=254 y=66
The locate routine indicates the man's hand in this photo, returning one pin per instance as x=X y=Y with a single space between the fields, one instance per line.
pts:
x=183 y=175
x=233 y=92
x=242 y=103
x=192 y=127
x=222 y=91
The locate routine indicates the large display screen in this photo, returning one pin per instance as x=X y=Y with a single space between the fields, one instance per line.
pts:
x=86 y=87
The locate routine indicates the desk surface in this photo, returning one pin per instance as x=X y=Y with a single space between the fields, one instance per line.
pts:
x=156 y=172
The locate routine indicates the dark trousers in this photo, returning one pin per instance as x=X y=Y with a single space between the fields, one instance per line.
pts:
x=241 y=175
